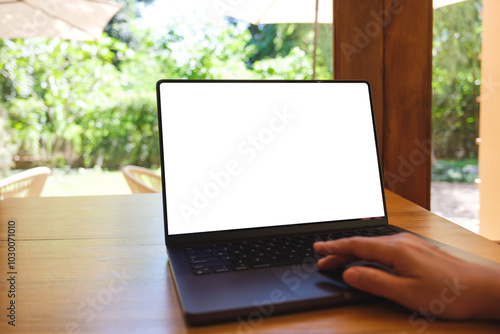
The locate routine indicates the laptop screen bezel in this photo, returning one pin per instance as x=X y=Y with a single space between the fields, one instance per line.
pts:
x=265 y=232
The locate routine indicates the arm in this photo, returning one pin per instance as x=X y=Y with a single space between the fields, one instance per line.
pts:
x=427 y=279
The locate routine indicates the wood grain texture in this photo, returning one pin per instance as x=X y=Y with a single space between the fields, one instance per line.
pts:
x=389 y=43
x=98 y=265
x=358 y=47
x=407 y=99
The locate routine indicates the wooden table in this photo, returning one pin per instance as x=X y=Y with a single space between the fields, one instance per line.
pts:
x=98 y=265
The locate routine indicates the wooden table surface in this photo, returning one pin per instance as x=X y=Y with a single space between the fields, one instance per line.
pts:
x=98 y=265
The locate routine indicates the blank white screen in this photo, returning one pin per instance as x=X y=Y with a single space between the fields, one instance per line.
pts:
x=244 y=155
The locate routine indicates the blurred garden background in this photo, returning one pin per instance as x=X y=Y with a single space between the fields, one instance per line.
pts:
x=86 y=109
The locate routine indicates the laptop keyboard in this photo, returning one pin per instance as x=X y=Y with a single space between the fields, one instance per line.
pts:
x=263 y=253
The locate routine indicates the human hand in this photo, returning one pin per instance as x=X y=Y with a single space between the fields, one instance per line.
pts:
x=426 y=278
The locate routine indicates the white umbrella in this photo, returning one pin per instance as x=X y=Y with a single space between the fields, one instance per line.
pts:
x=282 y=11
x=293 y=11
x=66 y=19
x=442 y=3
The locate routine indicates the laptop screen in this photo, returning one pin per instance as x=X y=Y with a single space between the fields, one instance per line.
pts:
x=239 y=154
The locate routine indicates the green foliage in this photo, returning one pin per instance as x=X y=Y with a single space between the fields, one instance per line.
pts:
x=456 y=74
x=121 y=25
x=122 y=132
x=275 y=42
x=91 y=103
x=6 y=146
x=83 y=104
x=297 y=65
x=455 y=171
x=49 y=84
x=220 y=54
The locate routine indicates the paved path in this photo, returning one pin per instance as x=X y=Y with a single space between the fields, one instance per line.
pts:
x=457 y=202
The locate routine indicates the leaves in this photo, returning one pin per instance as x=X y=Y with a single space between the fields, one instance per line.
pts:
x=93 y=103
x=456 y=73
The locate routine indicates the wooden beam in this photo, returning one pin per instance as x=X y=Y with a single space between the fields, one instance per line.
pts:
x=358 y=55
x=407 y=99
x=389 y=43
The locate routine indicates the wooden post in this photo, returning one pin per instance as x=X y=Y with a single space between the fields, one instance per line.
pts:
x=389 y=43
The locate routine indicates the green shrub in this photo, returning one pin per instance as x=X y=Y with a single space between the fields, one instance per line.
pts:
x=121 y=133
x=6 y=146
x=455 y=170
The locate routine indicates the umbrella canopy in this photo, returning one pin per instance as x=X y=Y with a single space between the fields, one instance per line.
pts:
x=68 y=19
x=442 y=3
x=282 y=11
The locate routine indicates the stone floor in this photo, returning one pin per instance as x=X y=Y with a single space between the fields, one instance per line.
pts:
x=457 y=202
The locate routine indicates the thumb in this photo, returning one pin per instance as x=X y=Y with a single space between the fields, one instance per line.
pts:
x=374 y=281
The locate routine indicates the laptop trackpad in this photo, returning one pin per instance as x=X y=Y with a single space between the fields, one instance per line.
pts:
x=306 y=280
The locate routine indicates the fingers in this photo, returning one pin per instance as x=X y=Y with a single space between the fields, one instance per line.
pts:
x=332 y=262
x=420 y=269
x=381 y=249
x=371 y=249
x=377 y=282
x=396 y=251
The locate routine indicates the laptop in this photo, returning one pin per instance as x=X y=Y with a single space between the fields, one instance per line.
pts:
x=253 y=173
